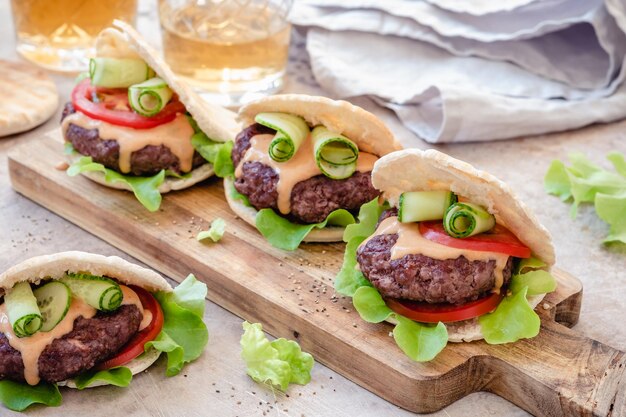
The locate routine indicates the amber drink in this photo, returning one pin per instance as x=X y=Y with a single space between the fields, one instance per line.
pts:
x=59 y=34
x=230 y=51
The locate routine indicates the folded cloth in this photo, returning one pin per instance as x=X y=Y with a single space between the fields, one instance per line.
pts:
x=465 y=71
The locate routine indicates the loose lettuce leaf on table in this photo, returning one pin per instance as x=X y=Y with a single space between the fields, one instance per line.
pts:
x=585 y=182
x=280 y=362
x=215 y=232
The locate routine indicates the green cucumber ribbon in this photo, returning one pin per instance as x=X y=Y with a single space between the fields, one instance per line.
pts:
x=291 y=132
x=149 y=97
x=99 y=292
x=335 y=155
x=22 y=310
x=467 y=219
x=118 y=73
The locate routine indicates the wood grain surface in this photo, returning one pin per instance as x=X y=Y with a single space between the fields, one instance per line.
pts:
x=560 y=372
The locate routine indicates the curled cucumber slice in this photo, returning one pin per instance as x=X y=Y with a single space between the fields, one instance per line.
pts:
x=335 y=155
x=291 y=132
x=53 y=299
x=101 y=293
x=118 y=73
x=419 y=206
x=467 y=219
x=22 y=310
x=149 y=97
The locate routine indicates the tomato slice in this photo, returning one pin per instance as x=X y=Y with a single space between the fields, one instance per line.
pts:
x=112 y=107
x=499 y=239
x=135 y=346
x=444 y=312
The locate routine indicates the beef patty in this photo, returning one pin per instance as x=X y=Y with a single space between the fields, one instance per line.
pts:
x=91 y=342
x=147 y=161
x=420 y=278
x=312 y=200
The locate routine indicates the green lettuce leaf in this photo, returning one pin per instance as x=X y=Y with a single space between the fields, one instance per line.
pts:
x=537 y=282
x=283 y=234
x=215 y=232
x=120 y=377
x=349 y=279
x=370 y=305
x=280 y=362
x=236 y=195
x=217 y=153
x=420 y=342
x=529 y=264
x=512 y=320
x=368 y=217
x=184 y=334
x=146 y=189
x=18 y=396
x=585 y=182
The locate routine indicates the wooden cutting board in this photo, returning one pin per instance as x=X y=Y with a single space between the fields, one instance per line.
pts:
x=558 y=373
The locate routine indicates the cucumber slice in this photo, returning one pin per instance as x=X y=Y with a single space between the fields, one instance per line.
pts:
x=291 y=132
x=99 y=292
x=118 y=73
x=53 y=299
x=467 y=219
x=418 y=206
x=335 y=155
x=22 y=310
x=149 y=97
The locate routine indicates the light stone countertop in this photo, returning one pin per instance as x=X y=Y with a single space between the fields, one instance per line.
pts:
x=216 y=384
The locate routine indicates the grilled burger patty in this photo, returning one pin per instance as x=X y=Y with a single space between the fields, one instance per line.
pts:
x=420 y=278
x=92 y=341
x=147 y=161
x=312 y=200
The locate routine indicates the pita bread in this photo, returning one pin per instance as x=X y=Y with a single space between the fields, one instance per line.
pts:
x=416 y=170
x=248 y=215
x=33 y=97
x=54 y=266
x=362 y=127
x=366 y=130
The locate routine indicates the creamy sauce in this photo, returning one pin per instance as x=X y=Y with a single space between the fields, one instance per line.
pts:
x=175 y=135
x=411 y=242
x=131 y=297
x=31 y=347
x=300 y=167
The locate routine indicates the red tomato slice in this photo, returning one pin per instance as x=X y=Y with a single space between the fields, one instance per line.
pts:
x=499 y=239
x=444 y=312
x=135 y=346
x=112 y=107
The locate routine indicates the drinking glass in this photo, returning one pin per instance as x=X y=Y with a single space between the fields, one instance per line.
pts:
x=230 y=51
x=59 y=35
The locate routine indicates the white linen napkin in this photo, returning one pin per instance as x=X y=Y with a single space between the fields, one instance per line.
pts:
x=454 y=70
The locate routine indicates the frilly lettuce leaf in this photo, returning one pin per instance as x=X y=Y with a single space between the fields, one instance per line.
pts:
x=419 y=341
x=585 y=182
x=370 y=305
x=120 y=377
x=537 y=282
x=184 y=334
x=349 y=278
x=217 y=153
x=280 y=362
x=215 y=232
x=512 y=320
x=18 y=396
x=283 y=234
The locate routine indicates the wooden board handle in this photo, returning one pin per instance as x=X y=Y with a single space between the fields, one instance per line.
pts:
x=566 y=374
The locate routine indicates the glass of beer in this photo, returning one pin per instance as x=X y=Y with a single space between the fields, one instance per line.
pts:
x=230 y=51
x=59 y=35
